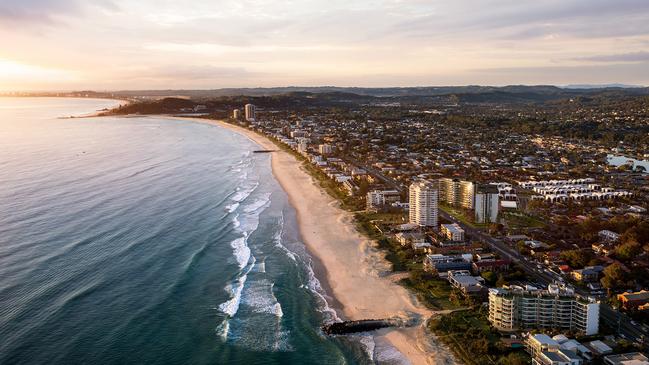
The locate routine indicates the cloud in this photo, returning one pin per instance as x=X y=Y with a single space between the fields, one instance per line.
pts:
x=631 y=73
x=525 y=19
x=44 y=12
x=191 y=72
x=620 y=57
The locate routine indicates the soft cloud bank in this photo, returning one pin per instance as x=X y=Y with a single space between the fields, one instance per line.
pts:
x=229 y=43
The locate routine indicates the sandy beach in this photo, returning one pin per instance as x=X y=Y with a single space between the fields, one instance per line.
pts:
x=351 y=263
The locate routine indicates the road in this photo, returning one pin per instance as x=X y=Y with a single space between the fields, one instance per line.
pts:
x=376 y=173
x=504 y=251
x=620 y=322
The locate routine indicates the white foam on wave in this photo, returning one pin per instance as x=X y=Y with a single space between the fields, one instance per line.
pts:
x=314 y=285
x=249 y=221
x=386 y=353
x=242 y=193
x=368 y=345
x=231 y=207
x=241 y=251
x=259 y=203
x=260 y=298
x=231 y=307
x=260 y=267
x=278 y=239
x=235 y=221
x=223 y=329
x=245 y=188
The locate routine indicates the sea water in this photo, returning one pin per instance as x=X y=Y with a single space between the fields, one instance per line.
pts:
x=149 y=241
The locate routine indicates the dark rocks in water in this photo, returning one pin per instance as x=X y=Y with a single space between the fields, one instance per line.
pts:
x=365 y=325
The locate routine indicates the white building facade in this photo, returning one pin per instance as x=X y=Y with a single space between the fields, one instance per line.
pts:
x=250 y=112
x=423 y=204
x=486 y=207
x=325 y=149
x=556 y=308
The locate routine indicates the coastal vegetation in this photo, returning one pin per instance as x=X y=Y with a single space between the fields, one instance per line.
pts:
x=473 y=340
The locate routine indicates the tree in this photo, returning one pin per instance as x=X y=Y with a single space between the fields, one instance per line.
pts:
x=490 y=277
x=514 y=358
x=628 y=251
x=614 y=277
x=501 y=281
x=576 y=258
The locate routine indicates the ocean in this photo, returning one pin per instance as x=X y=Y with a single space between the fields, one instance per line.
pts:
x=149 y=241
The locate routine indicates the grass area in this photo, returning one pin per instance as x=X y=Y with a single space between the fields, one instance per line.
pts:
x=468 y=334
x=435 y=293
x=520 y=221
x=461 y=215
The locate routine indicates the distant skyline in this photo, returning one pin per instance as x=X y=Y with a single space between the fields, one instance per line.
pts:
x=165 y=44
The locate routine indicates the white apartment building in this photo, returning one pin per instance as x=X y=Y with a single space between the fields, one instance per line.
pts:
x=325 y=149
x=302 y=145
x=487 y=204
x=557 y=307
x=250 y=112
x=423 y=204
x=236 y=114
x=453 y=232
x=375 y=199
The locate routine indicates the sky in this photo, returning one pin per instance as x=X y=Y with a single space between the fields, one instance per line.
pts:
x=205 y=44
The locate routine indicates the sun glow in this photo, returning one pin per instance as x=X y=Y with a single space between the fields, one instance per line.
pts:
x=12 y=73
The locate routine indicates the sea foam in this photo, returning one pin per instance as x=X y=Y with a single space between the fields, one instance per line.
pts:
x=241 y=251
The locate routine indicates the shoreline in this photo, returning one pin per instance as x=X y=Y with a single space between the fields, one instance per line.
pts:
x=345 y=262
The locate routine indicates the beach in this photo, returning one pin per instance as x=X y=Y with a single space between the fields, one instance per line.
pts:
x=350 y=263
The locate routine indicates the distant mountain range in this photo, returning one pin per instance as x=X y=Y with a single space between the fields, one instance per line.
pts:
x=601 y=86
x=514 y=94
x=539 y=91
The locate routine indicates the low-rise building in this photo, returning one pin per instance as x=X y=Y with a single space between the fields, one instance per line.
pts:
x=408 y=238
x=379 y=198
x=325 y=149
x=608 y=236
x=585 y=275
x=633 y=300
x=452 y=232
x=493 y=265
x=442 y=263
x=631 y=358
x=464 y=282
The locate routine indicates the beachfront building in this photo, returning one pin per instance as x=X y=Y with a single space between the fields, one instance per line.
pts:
x=379 y=198
x=250 y=112
x=452 y=232
x=423 y=204
x=517 y=308
x=546 y=350
x=467 y=284
x=236 y=114
x=325 y=149
x=487 y=203
x=302 y=145
x=457 y=193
